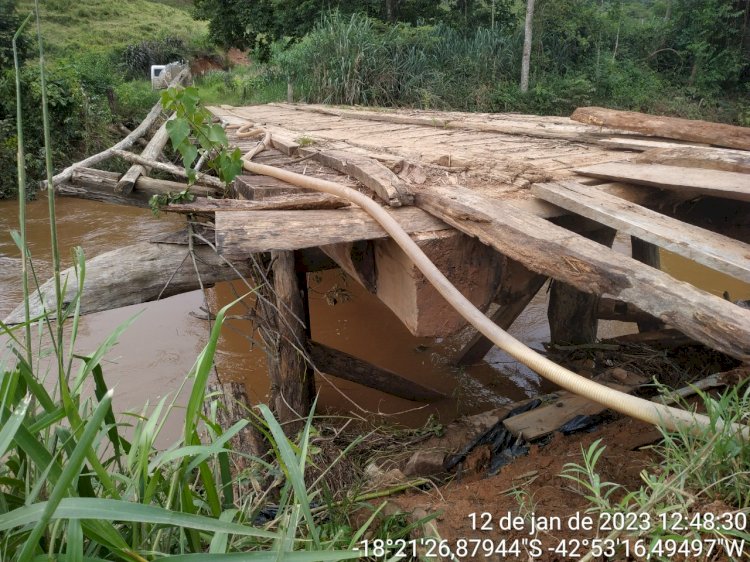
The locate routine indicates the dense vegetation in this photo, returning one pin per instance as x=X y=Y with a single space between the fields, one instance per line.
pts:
x=98 y=55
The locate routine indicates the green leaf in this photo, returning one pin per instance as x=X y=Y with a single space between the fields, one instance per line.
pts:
x=74 y=548
x=217 y=135
x=189 y=154
x=179 y=130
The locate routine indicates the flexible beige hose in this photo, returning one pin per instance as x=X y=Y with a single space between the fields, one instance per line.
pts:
x=639 y=408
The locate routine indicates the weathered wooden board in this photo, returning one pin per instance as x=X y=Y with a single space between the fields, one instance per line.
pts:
x=717 y=183
x=239 y=234
x=694 y=157
x=559 y=253
x=134 y=274
x=713 y=250
x=371 y=173
x=544 y=420
x=717 y=134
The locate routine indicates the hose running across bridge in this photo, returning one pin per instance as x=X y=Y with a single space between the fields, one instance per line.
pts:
x=633 y=406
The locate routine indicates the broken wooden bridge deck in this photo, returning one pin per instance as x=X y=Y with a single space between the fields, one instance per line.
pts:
x=499 y=202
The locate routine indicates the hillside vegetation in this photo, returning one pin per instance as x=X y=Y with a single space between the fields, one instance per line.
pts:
x=85 y=25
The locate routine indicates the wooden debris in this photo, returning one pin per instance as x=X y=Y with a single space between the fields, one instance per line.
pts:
x=98 y=185
x=717 y=134
x=716 y=183
x=125 y=143
x=261 y=187
x=371 y=173
x=664 y=339
x=707 y=383
x=613 y=309
x=134 y=274
x=709 y=248
x=350 y=368
x=551 y=250
x=239 y=234
x=693 y=157
x=151 y=152
x=302 y=201
x=149 y=160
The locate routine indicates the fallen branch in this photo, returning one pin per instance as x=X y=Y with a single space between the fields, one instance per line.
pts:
x=151 y=152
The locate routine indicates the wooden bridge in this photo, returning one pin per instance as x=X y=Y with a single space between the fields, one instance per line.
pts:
x=501 y=203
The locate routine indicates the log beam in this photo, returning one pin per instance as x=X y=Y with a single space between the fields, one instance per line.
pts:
x=550 y=250
x=342 y=365
x=706 y=132
x=134 y=274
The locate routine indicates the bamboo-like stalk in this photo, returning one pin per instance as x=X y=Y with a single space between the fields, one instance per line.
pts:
x=56 y=263
x=21 y=167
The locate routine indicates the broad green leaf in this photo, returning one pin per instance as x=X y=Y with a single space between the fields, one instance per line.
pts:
x=312 y=556
x=74 y=548
x=178 y=129
x=217 y=135
x=71 y=470
x=119 y=510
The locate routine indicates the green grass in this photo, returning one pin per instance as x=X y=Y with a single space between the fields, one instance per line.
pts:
x=83 y=25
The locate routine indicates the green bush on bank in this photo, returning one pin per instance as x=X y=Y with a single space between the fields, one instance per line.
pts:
x=358 y=60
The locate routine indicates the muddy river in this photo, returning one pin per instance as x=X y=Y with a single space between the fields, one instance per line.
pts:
x=155 y=353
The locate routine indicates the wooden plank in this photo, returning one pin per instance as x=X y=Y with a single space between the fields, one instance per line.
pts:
x=554 y=251
x=544 y=420
x=371 y=173
x=239 y=234
x=708 y=248
x=299 y=201
x=134 y=274
x=350 y=368
x=693 y=157
x=716 y=183
x=718 y=134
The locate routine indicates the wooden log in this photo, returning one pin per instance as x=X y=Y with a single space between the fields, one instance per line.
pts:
x=125 y=143
x=715 y=183
x=693 y=157
x=98 y=185
x=572 y=313
x=350 y=368
x=151 y=152
x=554 y=251
x=134 y=274
x=298 y=202
x=708 y=248
x=717 y=134
x=518 y=286
x=145 y=159
x=371 y=173
x=292 y=379
x=239 y=234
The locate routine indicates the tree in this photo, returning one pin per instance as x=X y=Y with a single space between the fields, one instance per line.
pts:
x=526 y=59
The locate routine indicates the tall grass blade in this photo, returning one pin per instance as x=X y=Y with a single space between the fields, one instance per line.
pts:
x=22 y=196
x=74 y=547
x=292 y=465
x=11 y=426
x=70 y=472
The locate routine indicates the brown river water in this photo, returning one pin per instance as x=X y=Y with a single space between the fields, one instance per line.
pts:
x=156 y=352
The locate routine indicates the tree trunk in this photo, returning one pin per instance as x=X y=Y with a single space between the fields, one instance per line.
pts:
x=527 y=46
x=391 y=10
